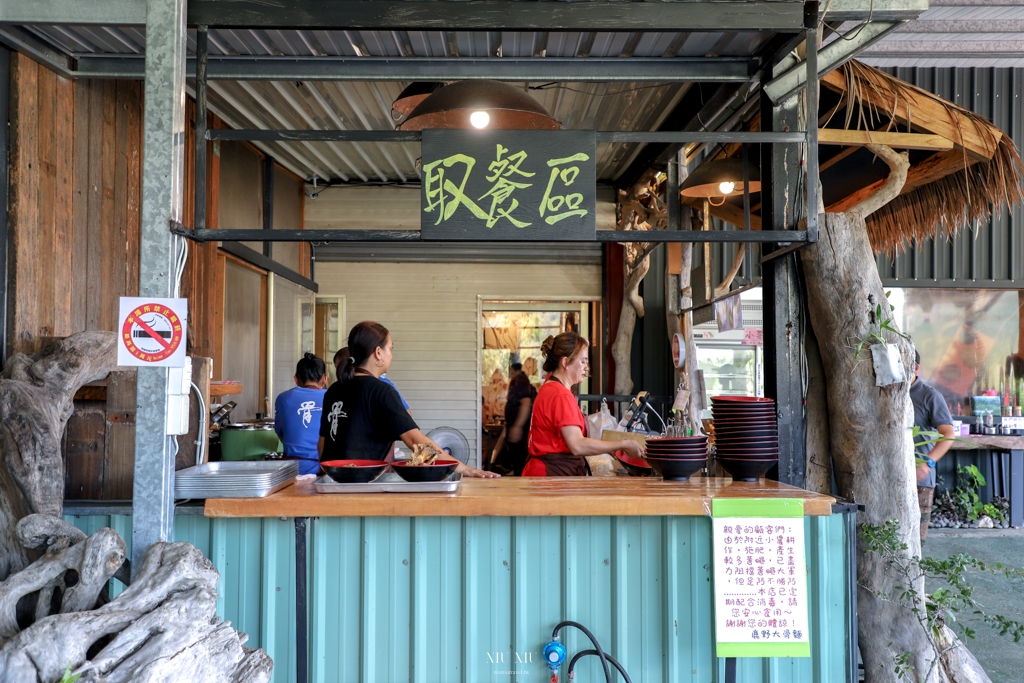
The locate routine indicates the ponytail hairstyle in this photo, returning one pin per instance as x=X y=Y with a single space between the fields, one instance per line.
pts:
x=365 y=338
x=310 y=369
x=566 y=345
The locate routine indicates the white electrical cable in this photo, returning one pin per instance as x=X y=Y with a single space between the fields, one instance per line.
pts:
x=203 y=417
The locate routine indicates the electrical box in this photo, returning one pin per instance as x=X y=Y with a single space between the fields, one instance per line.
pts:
x=179 y=386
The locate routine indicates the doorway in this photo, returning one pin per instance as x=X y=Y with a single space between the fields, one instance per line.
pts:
x=512 y=332
x=328 y=331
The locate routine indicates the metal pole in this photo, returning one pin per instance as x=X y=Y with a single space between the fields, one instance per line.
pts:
x=5 y=146
x=301 y=618
x=162 y=178
x=812 y=121
x=672 y=202
x=202 y=50
x=268 y=202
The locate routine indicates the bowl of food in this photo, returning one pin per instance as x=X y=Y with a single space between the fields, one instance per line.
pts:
x=354 y=471
x=438 y=470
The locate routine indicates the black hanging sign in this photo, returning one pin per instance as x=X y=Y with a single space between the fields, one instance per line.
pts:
x=508 y=185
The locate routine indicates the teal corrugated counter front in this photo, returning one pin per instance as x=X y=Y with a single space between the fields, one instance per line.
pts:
x=468 y=599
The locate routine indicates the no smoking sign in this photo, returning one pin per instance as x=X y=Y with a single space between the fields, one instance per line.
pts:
x=152 y=332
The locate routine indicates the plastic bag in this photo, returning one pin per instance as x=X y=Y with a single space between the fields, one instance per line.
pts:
x=600 y=421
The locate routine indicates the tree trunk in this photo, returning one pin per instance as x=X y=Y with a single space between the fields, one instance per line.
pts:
x=163 y=627
x=870 y=433
x=819 y=448
x=689 y=375
x=632 y=308
x=36 y=400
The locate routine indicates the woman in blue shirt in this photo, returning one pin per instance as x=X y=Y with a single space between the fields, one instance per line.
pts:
x=297 y=413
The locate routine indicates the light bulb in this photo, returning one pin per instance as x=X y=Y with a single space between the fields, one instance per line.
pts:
x=726 y=187
x=479 y=119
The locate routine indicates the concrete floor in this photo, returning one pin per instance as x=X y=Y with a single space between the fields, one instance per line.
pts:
x=1001 y=658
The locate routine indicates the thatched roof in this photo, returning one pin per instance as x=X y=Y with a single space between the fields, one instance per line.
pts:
x=945 y=191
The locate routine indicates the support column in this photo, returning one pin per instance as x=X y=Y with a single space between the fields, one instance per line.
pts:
x=162 y=179
x=783 y=195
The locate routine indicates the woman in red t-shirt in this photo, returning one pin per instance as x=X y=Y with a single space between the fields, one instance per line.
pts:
x=557 y=442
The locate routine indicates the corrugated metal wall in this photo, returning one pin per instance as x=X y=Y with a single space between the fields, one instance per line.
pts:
x=440 y=600
x=987 y=255
x=432 y=312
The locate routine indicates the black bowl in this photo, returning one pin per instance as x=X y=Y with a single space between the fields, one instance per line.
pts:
x=746 y=469
x=746 y=434
x=637 y=467
x=679 y=455
x=676 y=469
x=416 y=473
x=677 y=440
x=354 y=471
x=742 y=400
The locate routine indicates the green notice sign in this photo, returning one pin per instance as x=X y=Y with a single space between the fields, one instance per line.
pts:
x=760 y=578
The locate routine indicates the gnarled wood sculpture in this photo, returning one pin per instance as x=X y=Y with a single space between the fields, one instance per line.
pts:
x=640 y=209
x=36 y=400
x=163 y=627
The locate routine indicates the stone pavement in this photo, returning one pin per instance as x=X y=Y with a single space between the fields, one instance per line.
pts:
x=1002 y=659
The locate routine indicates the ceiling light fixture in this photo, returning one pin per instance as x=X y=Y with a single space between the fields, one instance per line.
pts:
x=460 y=105
x=720 y=178
x=479 y=119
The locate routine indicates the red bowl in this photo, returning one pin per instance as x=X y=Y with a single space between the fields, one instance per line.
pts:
x=440 y=470
x=637 y=467
x=742 y=399
x=354 y=471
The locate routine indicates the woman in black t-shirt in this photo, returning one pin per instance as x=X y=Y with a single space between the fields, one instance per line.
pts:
x=362 y=416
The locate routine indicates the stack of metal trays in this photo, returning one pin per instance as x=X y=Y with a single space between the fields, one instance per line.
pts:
x=243 y=479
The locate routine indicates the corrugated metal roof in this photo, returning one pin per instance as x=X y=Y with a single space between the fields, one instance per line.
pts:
x=955 y=33
x=367 y=105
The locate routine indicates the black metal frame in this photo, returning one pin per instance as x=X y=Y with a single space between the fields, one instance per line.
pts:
x=474 y=16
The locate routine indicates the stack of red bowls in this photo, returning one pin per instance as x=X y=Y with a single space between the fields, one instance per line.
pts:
x=677 y=458
x=746 y=435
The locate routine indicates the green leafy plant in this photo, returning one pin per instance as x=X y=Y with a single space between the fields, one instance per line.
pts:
x=955 y=594
x=68 y=676
x=885 y=324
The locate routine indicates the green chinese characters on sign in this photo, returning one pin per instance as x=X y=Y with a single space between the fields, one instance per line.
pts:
x=563 y=174
x=508 y=185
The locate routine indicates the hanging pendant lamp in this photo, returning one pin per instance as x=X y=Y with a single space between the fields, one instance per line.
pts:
x=720 y=178
x=410 y=98
x=490 y=105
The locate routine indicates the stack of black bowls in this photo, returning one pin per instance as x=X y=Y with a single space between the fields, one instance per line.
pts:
x=677 y=458
x=746 y=435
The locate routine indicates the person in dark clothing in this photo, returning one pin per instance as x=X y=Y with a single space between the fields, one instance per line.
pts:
x=518 y=407
x=932 y=414
x=363 y=416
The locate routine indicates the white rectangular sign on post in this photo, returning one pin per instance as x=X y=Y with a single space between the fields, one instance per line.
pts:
x=152 y=332
x=760 y=578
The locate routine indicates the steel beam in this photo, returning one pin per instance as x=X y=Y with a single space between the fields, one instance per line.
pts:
x=782 y=190
x=22 y=41
x=606 y=136
x=499 y=15
x=74 y=12
x=162 y=178
x=5 y=147
x=831 y=57
x=539 y=69
x=257 y=235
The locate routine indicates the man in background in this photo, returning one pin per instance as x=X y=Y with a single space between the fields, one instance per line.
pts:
x=930 y=414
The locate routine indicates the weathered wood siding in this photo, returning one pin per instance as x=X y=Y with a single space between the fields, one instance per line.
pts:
x=76 y=153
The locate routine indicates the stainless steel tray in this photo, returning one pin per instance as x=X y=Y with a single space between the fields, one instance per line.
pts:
x=220 y=492
x=254 y=471
x=389 y=482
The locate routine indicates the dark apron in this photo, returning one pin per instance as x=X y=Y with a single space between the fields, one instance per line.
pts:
x=564 y=465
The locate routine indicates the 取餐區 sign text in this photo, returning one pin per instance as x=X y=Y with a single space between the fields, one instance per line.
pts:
x=508 y=185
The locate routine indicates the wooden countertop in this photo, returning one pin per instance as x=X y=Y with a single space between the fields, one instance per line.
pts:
x=991 y=441
x=521 y=497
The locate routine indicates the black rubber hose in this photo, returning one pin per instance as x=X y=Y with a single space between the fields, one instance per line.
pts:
x=597 y=645
x=584 y=653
